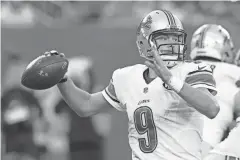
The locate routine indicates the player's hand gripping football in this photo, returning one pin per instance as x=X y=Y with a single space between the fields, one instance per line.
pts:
x=159 y=67
x=52 y=53
x=45 y=71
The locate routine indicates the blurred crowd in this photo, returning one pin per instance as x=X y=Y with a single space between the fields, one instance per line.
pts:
x=38 y=125
x=113 y=13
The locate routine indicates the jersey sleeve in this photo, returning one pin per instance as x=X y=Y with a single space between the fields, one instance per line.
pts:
x=202 y=77
x=109 y=93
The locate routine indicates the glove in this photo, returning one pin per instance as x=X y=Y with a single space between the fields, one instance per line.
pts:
x=55 y=53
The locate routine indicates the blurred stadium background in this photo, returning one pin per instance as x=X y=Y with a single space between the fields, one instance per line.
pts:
x=105 y=32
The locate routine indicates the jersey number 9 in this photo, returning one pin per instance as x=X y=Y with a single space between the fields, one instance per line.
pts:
x=144 y=123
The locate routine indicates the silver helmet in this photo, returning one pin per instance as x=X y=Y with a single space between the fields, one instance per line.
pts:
x=158 y=23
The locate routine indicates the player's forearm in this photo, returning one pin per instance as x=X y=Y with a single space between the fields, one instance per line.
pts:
x=76 y=98
x=200 y=100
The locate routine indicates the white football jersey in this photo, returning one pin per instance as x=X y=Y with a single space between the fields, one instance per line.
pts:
x=226 y=75
x=230 y=146
x=161 y=124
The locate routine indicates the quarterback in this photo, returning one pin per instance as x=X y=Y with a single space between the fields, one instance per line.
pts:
x=164 y=99
x=213 y=45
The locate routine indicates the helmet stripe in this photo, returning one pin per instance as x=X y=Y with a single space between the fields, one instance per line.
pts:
x=167 y=15
x=202 y=36
x=172 y=19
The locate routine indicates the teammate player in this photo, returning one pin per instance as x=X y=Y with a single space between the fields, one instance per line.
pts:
x=229 y=148
x=164 y=99
x=212 y=44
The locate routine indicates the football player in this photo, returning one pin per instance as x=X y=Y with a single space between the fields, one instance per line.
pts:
x=212 y=44
x=164 y=99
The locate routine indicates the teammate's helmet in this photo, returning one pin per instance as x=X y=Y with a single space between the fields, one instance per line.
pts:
x=212 y=41
x=157 y=23
x=237 y=58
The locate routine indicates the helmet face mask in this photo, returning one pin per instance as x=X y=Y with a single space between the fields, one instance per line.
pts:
x=157 y=32
x=170 y=45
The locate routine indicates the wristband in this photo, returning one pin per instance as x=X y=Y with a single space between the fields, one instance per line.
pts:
x=176 y=84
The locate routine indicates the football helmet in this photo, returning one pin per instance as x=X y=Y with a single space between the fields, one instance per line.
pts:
x=161 y=23
x=237 y=58
x=212 y=41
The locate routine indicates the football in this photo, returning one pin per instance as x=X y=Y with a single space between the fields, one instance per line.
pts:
x=44 y=72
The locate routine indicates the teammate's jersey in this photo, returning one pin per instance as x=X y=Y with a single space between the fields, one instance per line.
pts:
x=226 y=76
x=230 y=146
x=161 y=124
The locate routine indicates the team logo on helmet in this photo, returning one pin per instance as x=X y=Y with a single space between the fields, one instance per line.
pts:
x=146 y=25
